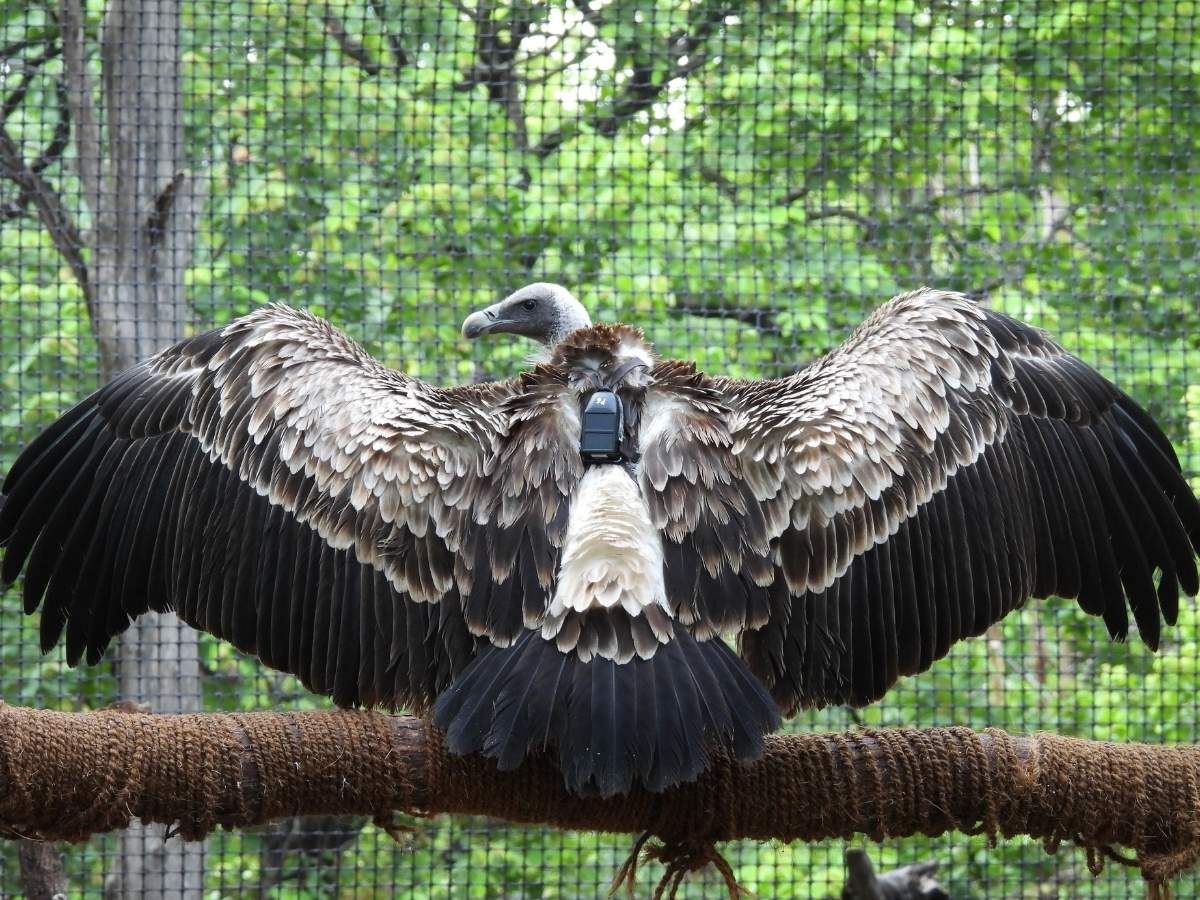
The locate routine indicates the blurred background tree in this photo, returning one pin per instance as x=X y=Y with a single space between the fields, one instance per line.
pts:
x=746 y=180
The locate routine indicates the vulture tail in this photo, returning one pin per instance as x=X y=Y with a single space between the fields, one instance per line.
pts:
x=654 y=722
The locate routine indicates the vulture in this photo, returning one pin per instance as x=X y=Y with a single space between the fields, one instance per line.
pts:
x=613 y=558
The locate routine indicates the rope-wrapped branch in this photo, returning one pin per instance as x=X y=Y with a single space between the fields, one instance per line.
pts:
x=69 y=775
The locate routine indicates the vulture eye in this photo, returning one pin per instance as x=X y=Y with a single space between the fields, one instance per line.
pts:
x=529 y=304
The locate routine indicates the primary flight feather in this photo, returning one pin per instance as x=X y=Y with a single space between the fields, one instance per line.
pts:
x=462 y=549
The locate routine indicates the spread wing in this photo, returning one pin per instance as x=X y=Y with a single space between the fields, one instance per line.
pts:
x=277 y=487
x=908 y=490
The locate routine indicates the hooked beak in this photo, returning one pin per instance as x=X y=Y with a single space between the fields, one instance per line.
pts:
x=480 y=323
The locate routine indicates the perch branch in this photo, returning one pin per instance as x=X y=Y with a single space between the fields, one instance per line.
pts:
x=70 y=775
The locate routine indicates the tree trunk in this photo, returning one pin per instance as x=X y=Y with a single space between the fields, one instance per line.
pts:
x=42 y=875
x=143 y=206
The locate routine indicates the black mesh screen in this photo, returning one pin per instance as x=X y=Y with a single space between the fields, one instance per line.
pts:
x=746 y=181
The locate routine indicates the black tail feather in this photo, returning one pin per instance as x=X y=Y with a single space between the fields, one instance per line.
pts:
x=613 y=725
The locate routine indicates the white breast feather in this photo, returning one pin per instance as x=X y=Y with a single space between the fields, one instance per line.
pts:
x=612 y=556
x=659 y=418
x=632 y=348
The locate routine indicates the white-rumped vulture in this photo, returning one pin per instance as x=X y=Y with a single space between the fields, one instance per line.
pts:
x=568 y=559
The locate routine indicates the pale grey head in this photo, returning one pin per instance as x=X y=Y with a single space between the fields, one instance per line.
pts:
x=543 y=311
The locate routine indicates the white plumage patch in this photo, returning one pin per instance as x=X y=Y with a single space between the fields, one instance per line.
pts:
x=612 y=556
x=630 y=348
x=659 y=418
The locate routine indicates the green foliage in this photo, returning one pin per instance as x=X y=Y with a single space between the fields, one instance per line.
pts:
x=747 y=193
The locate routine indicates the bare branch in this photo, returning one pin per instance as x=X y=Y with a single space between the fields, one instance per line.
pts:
x=819 y=167
x=1016 y=272
x=515 y=111
x=978 y=190
x=55 y=218
x=52 y=153
x=645 y=86
x=13 y=100
x=549 y=47
x=398 y=51
x=544 y=76
x=761 y=319
x=725 y=185
x=349 y=44
x=495 y=65
x=591 y=16
x=15 y=209
x=870 y=226
x=11 y=50
x=61 y=137
x=164 y=203
x=795 y=194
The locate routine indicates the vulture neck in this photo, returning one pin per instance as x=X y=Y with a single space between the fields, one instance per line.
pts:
x=571 y=317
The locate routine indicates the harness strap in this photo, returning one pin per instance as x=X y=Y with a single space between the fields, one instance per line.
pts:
x=623 y=370
x=603 y=421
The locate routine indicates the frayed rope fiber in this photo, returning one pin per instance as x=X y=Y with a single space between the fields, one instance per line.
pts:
x=65 y=776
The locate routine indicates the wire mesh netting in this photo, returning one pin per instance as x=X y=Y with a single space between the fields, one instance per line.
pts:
x=745 y=181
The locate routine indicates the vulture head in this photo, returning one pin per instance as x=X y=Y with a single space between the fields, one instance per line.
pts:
x=543 y=311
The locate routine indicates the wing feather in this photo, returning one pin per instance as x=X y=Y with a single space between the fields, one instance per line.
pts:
x=272 y=559
x=265 y=480
x=83 y=536
x=351 y=646
x=927 y=477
